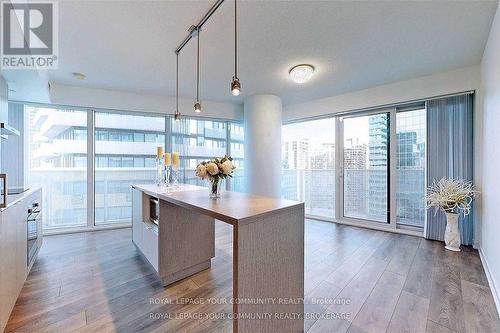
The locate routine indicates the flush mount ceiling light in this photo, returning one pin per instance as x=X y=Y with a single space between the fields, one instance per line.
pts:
x=301 y=73
x=79 y=76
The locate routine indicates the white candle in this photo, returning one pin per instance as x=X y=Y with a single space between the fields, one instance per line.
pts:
x=175 y=159
x=159 y=152
x=168 y=159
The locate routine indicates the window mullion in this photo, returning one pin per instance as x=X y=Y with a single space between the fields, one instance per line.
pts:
x=90 y=169
x=339 y=161
x=392 y=168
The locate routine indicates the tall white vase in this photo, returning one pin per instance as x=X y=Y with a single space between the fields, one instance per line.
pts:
x=452 y=234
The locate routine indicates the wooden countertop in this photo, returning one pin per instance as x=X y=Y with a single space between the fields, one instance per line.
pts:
x=12 y=199
x=232 y=207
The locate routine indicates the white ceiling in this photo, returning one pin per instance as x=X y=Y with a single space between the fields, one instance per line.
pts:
x=128 y=45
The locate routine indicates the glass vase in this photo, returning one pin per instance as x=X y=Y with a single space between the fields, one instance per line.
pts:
x=214 y=189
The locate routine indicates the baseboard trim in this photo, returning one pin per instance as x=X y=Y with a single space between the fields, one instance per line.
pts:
x=368 y=225
x=491 y=282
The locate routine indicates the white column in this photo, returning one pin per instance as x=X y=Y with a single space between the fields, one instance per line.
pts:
x=263 y=145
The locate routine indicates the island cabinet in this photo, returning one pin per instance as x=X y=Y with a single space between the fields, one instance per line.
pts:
x=268 y=249
x=159 y=242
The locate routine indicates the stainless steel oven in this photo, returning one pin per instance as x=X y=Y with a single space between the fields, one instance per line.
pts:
x=154 y=210
x=34 y=218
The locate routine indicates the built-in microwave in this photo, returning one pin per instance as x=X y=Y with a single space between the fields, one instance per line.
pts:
x=154 y=210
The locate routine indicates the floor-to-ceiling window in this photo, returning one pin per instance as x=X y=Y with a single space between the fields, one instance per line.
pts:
x=125 y=146
x=197 y=140
x=308 y=161
x=411 y=162
x=86 y=160
x=366 y=166
x=58 y=163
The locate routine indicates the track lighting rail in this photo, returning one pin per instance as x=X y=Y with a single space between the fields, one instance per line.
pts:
x=193 y=30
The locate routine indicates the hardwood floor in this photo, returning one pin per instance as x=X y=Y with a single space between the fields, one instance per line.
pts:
x=356 y=280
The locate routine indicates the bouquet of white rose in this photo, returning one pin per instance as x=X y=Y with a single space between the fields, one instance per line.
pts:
x=214 y=171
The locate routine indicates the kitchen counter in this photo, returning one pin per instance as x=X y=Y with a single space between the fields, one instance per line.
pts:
x=268 y=248
x=15 y=198
x=232 y=207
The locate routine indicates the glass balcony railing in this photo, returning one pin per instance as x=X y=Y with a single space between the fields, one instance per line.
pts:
x=365 y=193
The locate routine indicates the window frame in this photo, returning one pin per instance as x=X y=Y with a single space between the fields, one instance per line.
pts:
x=392 y=224
x=92 y=157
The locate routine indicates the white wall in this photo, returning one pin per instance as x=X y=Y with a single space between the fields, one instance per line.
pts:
x=490 y=228
x=120 y=100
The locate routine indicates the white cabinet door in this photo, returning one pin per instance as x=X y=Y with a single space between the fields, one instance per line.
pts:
x=137 y=217
x=150 y=244
x=21 y=243
x=8 y=264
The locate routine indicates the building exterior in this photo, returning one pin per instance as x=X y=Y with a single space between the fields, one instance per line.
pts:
x=378 y=166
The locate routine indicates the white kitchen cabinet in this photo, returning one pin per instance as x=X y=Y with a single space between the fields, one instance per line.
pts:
x=150 y=244
x=13 y=251
x=144 y=233
x=137 y=217
x=9 y=291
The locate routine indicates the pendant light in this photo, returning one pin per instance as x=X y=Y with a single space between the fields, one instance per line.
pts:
x=177 y=114
x=235 y=84
x=197 y=105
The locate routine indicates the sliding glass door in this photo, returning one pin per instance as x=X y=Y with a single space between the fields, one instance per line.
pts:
x=308 y=150
x=365 y=167
x=410 y=167
x=58 y=163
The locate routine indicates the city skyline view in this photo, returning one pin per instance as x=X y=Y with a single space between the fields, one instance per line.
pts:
x=308 y=150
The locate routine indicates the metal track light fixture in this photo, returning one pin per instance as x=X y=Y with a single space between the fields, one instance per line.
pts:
x=196 y=29
x=235 y=84
x=197 y=104
x=177 y=114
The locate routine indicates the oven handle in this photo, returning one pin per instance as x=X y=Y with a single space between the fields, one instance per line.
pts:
x=32 y=218
x=3 y=179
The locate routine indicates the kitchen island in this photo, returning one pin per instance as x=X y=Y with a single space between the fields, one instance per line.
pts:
x=268 y=248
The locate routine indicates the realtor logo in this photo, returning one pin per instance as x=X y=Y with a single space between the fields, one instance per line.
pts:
x=29 y=35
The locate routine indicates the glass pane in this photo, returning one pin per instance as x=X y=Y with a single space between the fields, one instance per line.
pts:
x=308 y=160
x=125 y=148
x=366 y=161
x=58 y=163
x=197 y=140
x=237 y=139
x=410 y=191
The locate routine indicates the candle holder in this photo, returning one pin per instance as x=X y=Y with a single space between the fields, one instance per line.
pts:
x=159 y=171
x=166 y=175
x=175 y=175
